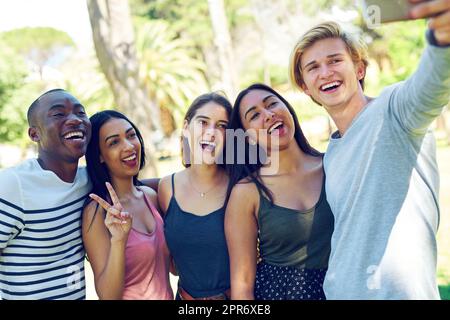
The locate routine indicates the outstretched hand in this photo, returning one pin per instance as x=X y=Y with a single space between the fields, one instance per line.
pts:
x=439 y=13
x=117 y=221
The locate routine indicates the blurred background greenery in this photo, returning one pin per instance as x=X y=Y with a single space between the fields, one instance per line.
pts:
x=151 y=58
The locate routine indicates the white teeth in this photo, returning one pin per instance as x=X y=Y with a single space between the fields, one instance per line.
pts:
x=329 y=85
x=130 y=158
x=210 y=143
x=275 y=126
x=77 y=134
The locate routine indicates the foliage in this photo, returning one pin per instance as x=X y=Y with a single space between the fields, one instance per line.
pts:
x=38 y=44
x=12 y=78
x=170 y=67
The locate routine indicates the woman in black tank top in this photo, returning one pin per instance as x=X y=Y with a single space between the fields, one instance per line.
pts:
x=278 y=224
x=193 y=203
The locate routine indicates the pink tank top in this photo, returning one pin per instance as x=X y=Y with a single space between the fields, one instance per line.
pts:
x=147 y=263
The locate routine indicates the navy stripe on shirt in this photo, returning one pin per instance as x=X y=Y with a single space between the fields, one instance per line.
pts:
x=37 y=264
x=41 y=255
x=29 y=273
x=77 y=219
x=30 y=283
x=49 y=238
x=26 y=293
x=59 y=217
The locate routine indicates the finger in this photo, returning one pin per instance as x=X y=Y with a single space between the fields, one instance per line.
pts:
x=114 y=212
x=441 y=21
x=113 y=220
x=112 y=194
x=125 y=215
x=429 y=8
x=105 y=205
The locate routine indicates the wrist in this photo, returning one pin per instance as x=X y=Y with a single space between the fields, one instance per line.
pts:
x=118 y=241
x=431 y=38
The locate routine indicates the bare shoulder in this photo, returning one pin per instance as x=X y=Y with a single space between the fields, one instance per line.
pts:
x=246 y=187
x=92 y=212
x=165 y=183
x=244 y=194
x=164 y=193
x=90 y=209
x=149 y=192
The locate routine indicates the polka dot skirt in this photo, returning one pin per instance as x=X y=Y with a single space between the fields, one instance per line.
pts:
x=288 y=283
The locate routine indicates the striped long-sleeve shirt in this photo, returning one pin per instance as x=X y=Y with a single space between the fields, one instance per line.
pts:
x=41 y=249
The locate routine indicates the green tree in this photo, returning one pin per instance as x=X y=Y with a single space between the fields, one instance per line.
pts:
x=170 y=67
x=38 y=44
x=12 y=78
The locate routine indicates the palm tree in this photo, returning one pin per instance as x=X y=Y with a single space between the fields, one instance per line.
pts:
x=169 y=68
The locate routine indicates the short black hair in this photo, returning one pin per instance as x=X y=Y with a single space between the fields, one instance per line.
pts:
x=32 y=108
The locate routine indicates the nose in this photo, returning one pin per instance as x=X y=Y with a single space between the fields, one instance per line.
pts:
x=128 y=145
x=325 y=71
x=73 y=119
x=268 y=115
x=209 y=133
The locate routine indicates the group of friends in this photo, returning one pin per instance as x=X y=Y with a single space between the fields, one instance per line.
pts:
x=357 y=222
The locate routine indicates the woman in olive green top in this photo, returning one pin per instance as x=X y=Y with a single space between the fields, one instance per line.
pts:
x=280 y=205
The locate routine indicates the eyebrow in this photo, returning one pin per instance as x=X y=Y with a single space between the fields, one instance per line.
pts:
x=116 y=135
x=202 y=117
x=59 y=106
x=254 y=107
x=329 y=56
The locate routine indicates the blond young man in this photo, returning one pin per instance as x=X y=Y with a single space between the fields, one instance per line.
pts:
x=382 y=176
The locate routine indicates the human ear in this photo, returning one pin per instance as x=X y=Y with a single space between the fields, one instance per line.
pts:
x=360 y=70
x=34 y=135
x=185 y=130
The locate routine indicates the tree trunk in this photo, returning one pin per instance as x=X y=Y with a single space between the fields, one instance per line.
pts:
x=222 y=40
x=113 y=36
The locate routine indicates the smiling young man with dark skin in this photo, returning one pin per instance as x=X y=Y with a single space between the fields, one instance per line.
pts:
x=382 y=177
x=41 y=200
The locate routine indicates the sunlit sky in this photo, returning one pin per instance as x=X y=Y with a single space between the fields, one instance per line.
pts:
x=70 y=16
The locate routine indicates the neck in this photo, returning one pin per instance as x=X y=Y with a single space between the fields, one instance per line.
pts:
x=287 y=161
x=343 y=115
x=124 y=188
x=205 y=173
x=66 y=171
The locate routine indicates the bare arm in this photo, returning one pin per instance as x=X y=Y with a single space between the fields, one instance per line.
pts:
x=241 y=231
x=164 y=195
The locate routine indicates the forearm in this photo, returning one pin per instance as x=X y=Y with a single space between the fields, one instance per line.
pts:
x=110 y=282
x=420 y=99
x=242 y=290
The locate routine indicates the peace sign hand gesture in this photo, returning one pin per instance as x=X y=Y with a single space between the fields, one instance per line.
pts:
x=117 y=221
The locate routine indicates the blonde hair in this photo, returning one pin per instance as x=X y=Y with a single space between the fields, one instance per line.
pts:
x=356 y=48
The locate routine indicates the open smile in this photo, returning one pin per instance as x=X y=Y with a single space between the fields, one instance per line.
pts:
x=330 y=87
x=208 y=146
x=130 y=161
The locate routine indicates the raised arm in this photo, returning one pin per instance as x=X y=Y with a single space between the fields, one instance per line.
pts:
x=241 y=231
x=420 y=99
x=105 y=240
